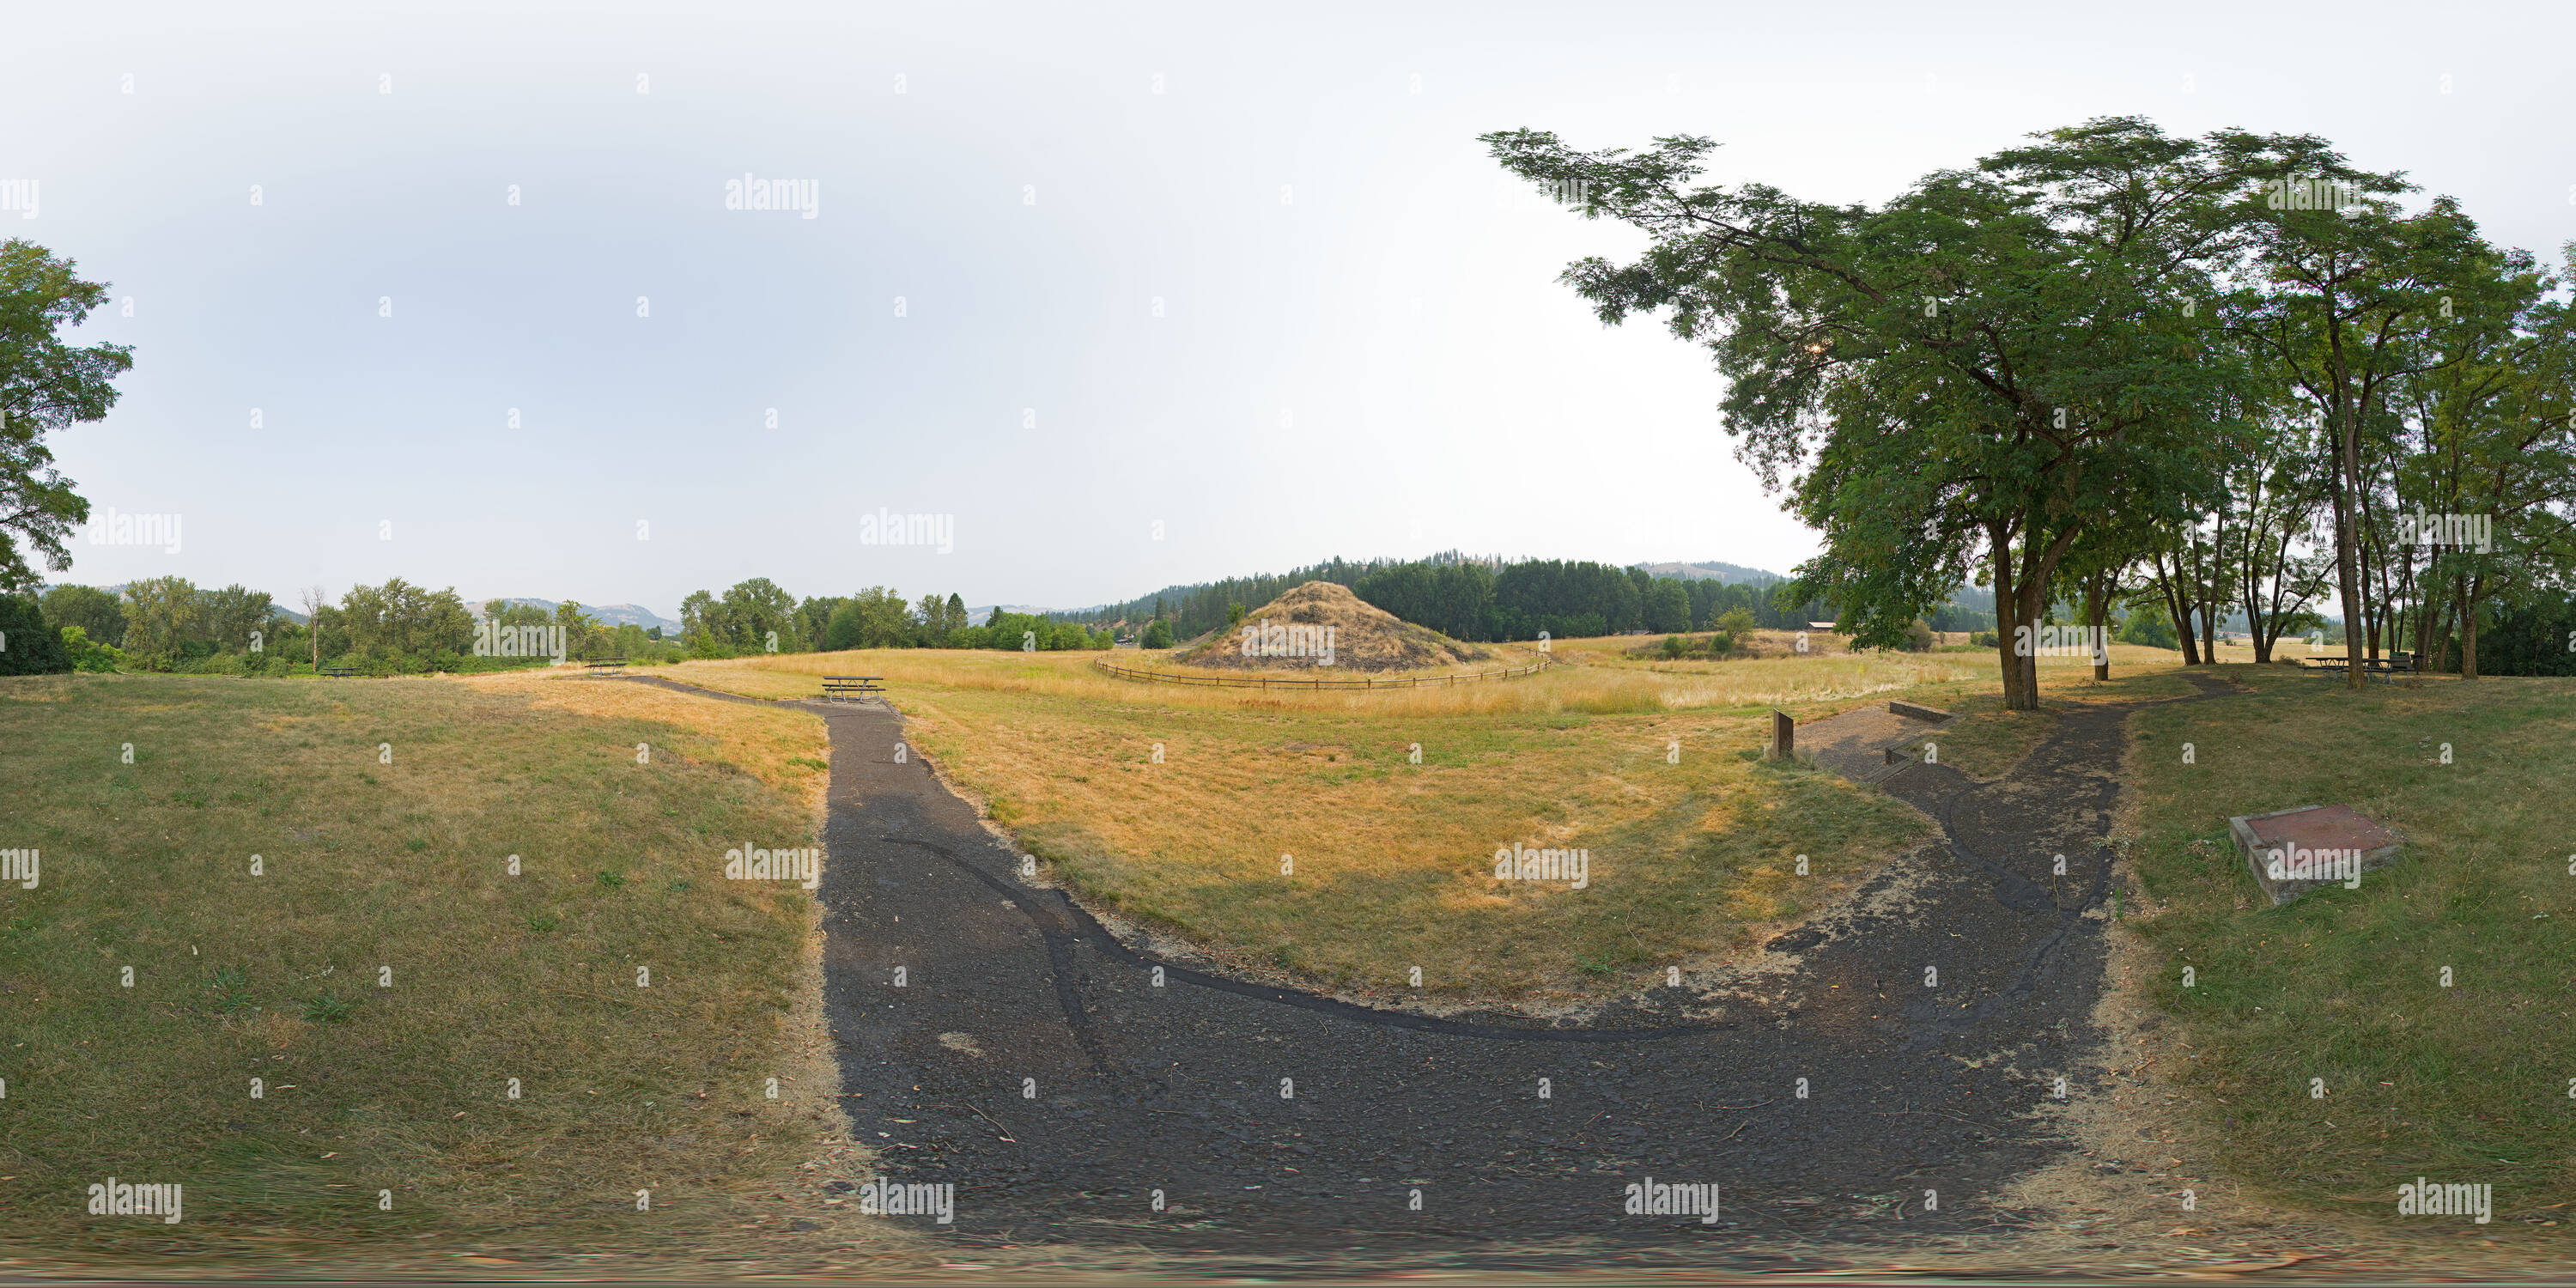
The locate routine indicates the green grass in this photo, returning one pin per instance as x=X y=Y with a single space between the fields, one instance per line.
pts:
x=2465 y=1083
x=1988 y=740
x=390 y=1081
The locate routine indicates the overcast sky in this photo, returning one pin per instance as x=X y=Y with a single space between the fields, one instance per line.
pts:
x=1239 y=271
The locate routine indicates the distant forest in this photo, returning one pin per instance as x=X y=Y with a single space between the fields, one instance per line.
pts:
x=1486 y=600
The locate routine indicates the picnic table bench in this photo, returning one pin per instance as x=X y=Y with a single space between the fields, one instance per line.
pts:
x=847 y=688
x=606 y=666
x=2385 y=668
x=339 y=672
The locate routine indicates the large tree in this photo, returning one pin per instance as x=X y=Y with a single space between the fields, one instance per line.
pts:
x=1979 y=369
x=2343 y=291
x=45 y=385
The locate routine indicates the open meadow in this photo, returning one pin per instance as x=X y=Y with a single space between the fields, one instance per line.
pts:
x=1295 y=831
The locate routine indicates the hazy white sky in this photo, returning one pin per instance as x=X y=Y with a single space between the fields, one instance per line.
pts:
x=1247 y=274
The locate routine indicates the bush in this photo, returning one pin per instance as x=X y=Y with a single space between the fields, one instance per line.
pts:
x=1720 y=644
x=1918 y=637
x=2148 y=625
x=87 y=655
x=1158 y=634
x=1736 y=623
x=1673 y=646
x=1984 y=639
x=28 y=646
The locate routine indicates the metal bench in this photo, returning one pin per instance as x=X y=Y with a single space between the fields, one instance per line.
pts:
x=606 y=666
x=850 y=688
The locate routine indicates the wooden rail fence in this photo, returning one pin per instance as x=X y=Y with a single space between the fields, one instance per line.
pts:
x=1319 y=682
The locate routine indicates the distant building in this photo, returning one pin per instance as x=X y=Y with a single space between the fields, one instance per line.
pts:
x=1820 y=626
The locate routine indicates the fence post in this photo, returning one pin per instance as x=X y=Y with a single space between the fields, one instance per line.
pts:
x=1784 y=734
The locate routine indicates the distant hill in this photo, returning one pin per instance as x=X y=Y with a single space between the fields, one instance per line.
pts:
x=1713 y=571
x=605 y=614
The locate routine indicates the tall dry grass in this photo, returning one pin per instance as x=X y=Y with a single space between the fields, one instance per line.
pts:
x=1582 y=682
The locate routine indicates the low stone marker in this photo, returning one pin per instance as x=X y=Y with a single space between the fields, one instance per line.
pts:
x=2293 y=851
x=1917 y=710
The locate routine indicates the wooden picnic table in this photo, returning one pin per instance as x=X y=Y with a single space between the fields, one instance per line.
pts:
x=847 y=688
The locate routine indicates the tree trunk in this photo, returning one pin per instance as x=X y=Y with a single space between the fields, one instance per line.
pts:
x=2178 y=606
x=2374 y=608
x=2009 y=641
x=2469 y=596
x=2098 y=614
x=2347 y=477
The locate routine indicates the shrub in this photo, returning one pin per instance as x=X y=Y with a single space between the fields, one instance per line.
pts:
x=1720 y=644
x=2148 y=625
x=1918 y=637
x=1673 y=646
x=1984 y=639
x=28 y=646
x=1158 y=634
x=1736 y=622
x=88 y=655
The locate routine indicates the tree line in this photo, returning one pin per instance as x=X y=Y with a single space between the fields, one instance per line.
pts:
x=2214 y=375
x=1484 y=600
x=172 y=624
x=758 y=616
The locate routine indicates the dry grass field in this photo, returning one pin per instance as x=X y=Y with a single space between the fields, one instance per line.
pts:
x=1294 y=831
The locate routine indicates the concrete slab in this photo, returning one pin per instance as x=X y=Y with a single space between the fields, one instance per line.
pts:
x=2293 y=851
x=1864 y=745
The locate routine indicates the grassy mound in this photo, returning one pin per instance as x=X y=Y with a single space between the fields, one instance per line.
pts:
x=1363 y=637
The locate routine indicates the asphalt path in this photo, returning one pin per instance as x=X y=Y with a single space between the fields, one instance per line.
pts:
x=993 y=1037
